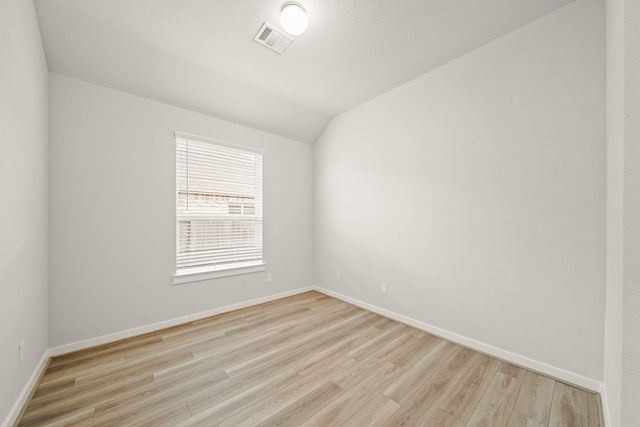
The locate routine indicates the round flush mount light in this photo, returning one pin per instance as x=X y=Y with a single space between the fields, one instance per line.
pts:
x=293 y=18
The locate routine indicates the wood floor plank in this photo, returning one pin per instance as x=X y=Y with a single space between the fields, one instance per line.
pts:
x=496 y=406
x=263 y=405
x=137 y=367
x=51 y=392
x=388 y=351
x=106 y=350
x=202 y=338
x=519 y=420
x=80 y=399
x=300 y=349
x=569 y=408
x=535 y=397
x=345 y=346
x=168 y=416
x=365 y=349
x=374 y=413
x=595 y=411
x=245 y=315
x=285 y=391
x=405 y=387
x=283 y=355
x=415 y=350
x=159 y=414
x=306 y=360
x=219 y=357
x=443 y=419
x=236 y=344
x=383 y=323
x=303 y=408
x=357 y=396
x=82 y=416
x=365 y=367
x=152 y=398
x=512 y=370
x=61 y=370
x=267 y=406
x=336 y=364
x=205 y=413
x=465 y=397
x=425 y=399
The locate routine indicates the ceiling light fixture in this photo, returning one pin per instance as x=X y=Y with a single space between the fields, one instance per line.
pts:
x=293 y=18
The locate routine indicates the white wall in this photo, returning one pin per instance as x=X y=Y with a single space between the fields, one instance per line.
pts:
x=112 y=213
x=23 y=190
x=477 y=193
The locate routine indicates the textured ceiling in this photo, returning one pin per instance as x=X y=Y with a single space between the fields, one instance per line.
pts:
x=200 y=54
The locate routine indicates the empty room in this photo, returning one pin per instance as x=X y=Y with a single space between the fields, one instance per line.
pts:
x=320 y=213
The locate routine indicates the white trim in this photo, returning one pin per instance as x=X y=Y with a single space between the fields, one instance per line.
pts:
x=606 y=414
x=67 y=348
x=187 y=275
x=12 y=416
x=561 y=374
x=189 y=137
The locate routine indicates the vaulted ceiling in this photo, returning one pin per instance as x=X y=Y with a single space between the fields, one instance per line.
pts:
x=200 y=54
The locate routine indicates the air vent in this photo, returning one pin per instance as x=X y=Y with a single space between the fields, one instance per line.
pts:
x=273 y=38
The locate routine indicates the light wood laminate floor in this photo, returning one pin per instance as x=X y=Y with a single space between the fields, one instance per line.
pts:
x=306 y=360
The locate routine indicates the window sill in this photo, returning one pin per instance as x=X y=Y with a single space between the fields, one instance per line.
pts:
x=198 y=274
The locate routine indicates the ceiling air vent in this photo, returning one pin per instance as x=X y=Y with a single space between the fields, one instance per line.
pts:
x=273 y=38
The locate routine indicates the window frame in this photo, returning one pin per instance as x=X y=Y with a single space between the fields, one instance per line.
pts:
x=193 y=274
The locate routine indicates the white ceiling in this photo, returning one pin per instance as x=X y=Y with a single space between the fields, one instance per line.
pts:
x=200 y=54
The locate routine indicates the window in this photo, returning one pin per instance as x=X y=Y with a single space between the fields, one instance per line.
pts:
x=218 y=208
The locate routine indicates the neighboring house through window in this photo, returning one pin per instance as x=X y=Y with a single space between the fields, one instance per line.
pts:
x=218 y=209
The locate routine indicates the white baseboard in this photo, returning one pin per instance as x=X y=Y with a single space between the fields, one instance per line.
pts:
x=67 y=348
x=516 y=359
x=26 y=391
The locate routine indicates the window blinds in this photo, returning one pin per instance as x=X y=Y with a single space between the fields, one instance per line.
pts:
x=218 y=205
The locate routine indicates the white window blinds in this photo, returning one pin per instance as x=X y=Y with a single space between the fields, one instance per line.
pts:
x=218 y=205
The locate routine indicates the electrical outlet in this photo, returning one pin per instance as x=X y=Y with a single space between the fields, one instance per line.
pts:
x=21 y=352
x=269 y=278
x=338 y=275
x=383 y=288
